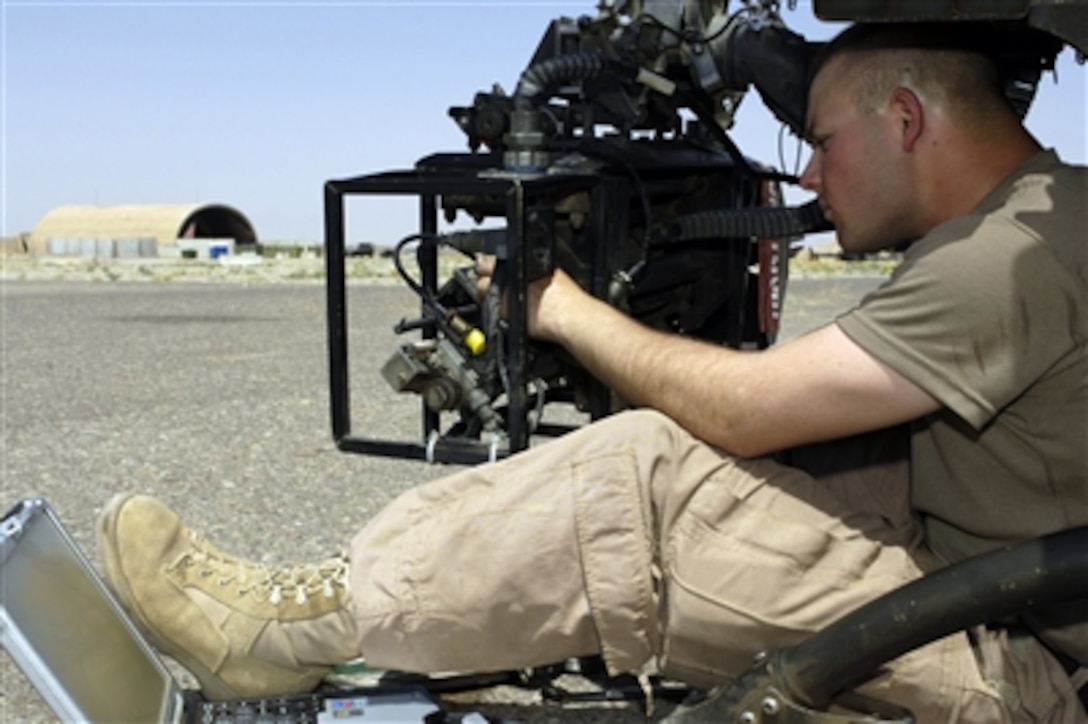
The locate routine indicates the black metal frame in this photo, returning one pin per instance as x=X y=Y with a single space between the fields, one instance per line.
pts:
x=463 y=175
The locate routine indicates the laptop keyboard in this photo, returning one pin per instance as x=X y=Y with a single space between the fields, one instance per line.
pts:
x=329 y=707
x=275 y=710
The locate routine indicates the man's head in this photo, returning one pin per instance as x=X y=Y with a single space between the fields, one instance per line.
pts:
x=909 y=127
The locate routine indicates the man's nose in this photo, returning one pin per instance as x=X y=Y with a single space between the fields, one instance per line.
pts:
x=810 y=178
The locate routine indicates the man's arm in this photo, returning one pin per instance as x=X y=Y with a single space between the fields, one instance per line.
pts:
x=816 y=387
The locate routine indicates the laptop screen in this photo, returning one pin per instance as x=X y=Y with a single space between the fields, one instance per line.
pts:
x=67 y=633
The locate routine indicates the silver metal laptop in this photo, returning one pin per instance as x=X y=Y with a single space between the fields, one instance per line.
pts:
x=66 y=631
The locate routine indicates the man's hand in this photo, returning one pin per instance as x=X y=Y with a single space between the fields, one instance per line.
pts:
x=549 y=301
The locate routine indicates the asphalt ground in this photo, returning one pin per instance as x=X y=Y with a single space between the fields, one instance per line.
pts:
x=214 y=397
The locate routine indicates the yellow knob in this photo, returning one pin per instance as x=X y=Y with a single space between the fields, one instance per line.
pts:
x=475 y=341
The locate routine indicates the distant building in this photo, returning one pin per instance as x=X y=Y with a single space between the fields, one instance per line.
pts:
x=137 y=229
x=15 y=244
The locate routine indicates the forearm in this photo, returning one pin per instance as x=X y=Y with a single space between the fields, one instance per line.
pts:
x=818 y=386
x=698 y=384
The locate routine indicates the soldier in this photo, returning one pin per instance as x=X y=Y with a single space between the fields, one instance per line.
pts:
x=757 y=496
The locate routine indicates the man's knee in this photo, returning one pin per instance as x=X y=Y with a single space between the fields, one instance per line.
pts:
x=662 y=445
x=638 y=422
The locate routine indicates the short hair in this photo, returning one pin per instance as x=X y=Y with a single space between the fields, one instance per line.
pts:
x=954 y=63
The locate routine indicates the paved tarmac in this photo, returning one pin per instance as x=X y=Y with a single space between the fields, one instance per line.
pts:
x=214 y=397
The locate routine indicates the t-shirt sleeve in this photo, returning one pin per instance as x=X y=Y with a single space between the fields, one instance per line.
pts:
x=977 y=311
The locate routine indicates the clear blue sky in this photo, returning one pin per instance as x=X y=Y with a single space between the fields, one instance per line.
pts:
x=257 y=104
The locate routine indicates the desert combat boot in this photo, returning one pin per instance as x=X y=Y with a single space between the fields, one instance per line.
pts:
x=243 y=629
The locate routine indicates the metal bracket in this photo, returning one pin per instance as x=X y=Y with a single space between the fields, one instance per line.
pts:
x=758 y=698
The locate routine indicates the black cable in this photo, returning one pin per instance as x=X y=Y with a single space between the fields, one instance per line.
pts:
x=414 y=285
x=782 y=150
x=421 y=291
x=705 y=115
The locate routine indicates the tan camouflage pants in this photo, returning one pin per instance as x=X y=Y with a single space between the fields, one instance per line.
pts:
x=633 y=540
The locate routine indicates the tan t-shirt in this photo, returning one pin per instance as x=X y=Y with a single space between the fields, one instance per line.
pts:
x=989 y=314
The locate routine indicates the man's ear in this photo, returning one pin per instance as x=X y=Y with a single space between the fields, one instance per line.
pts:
x=906 y=109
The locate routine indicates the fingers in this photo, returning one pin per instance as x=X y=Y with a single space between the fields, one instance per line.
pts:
x=546 y=299
x=485 y=265
x=485 y=269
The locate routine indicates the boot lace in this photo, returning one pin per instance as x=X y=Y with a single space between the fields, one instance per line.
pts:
x=263 y=582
